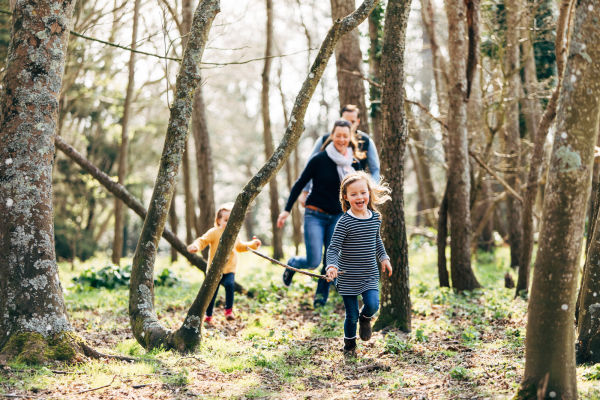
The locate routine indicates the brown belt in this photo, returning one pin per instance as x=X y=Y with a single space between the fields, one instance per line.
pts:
x=315 y=208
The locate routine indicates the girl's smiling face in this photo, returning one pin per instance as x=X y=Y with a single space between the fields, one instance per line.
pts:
x=222 y=221
x=357 y=194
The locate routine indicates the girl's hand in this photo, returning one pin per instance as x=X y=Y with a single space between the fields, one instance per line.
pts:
x=255 y=243
x=386 y=265
x=192 y=248
x=281 y=219
x=331 y=274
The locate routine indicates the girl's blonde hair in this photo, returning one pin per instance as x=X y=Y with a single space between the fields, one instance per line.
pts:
x=379 y=193
x=222 y=207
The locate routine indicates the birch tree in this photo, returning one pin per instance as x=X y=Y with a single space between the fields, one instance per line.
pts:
x=549 y=346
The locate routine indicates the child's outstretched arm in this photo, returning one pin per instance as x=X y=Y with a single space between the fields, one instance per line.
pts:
x=334 y=250
x=200 y=243
x=243 y=246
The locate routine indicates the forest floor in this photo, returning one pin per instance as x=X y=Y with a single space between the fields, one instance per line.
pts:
x=467 y=346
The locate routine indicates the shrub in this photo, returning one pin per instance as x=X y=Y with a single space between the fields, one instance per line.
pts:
x=113 y=276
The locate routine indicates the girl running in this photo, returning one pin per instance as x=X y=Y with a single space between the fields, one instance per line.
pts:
x=355 y=248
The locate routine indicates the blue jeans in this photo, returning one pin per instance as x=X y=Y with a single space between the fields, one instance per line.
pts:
x=371 y=305
x=228 y=282
x=318 y=229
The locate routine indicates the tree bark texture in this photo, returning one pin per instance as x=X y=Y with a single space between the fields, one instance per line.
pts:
x=459 y=183
x=188 y=335
x=588 y=310
x=395 y=308
x=117 y=250
x=375 y=43
x=127 y=198
x=512 y=138
x=31 y=297
x=144 y=321
x=268 y=136
x=549 y=347
x=442 y=238
x=348 y=59
x=537 y=156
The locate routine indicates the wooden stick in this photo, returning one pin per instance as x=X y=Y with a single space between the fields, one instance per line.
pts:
x=99 y=387
x=274 y=261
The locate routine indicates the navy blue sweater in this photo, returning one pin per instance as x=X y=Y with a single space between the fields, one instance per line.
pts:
x=325 y=192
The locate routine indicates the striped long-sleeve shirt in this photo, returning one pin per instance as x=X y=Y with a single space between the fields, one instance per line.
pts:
x=355 y=247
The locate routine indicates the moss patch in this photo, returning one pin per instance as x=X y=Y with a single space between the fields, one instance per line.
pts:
x=34 y=348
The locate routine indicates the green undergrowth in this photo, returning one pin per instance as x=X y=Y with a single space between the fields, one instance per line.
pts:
x=462 y=345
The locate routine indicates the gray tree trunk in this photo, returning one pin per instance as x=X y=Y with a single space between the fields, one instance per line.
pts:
x=144 y=321
x=512 y=139
x=459 y=183
x=31 y=297
x=549 y=347
x=537 y=156
x=268 y=136
x=395 y=292
x=348 y=59
x=375 y=39
x=117 y=250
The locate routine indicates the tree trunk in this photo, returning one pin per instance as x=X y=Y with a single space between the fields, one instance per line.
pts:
x=32 y=308
x=458 y=162
x=442 y=237
x=537 y=157
x=173 y=224
x=512 y=140
x=291 y=172
x=588 y=310
x=144 y=321
x=268 y=136
x=117 y=250
x=190 y=212
x=375 y=39
x=188 y=336
x=121 y=192
x=395 y=294
x=549 y=347
x=348 y=59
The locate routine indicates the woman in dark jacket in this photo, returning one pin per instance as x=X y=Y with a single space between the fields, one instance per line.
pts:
x=338 y=158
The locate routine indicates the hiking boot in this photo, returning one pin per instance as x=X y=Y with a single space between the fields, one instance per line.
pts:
x=349 y=347
x=229 y=314
x=288 y=274
x=364 y=327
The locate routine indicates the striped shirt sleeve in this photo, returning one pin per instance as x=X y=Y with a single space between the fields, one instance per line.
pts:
x=335 y=246
x=380 y=249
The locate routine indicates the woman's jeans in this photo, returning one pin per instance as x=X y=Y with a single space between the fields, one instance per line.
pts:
x=318 y=229
x=228 y=282
x=371 y=305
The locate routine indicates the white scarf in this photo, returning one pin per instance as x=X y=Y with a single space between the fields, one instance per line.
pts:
x=344 y=163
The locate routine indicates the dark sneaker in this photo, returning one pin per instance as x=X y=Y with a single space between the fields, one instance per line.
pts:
x=364 y=328
x=288 y=274
x=349 y=347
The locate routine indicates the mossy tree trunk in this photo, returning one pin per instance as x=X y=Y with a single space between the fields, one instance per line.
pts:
x=144 y=321
x=146 y=327
x=549 y=349
x=348 y=59
x=188 y=336
x=117 y=252
x=459 y=184
x=31 y=299
x=268 y=135
x=395 y=293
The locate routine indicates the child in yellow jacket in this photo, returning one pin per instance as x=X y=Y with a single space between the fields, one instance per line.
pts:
x=211 y=238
